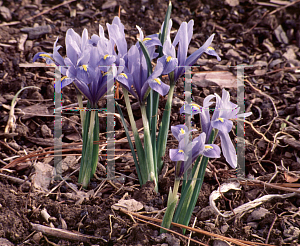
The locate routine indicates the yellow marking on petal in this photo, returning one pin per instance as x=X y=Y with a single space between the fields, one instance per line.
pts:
x=123 y=74
x=221 y=119
x=107 y=55
x=169 y=58
x=105 y=74
x=182 y=131
x=84 y=67
x=180 y=151
x=63 y=78
x=195 y=105
x=157 y=81
x=47 y=56
x=208 y=147
x=210 y=48
x=146 y=39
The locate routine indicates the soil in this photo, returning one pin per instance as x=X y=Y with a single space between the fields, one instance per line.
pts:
x=248 y=33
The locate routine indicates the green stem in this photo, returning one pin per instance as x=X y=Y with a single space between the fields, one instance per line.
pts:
x=86 y=166
x=172 y=201
x=164 y=126
x=81 y=111
x=138 y=143
x=148 y=147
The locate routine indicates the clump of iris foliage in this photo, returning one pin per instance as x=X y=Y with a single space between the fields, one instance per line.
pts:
x=94 y=64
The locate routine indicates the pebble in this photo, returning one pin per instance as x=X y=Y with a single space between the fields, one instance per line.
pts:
x=281 y=35
x=257 y=214
x=109 y=5
x=5 y=13
x=233 y=54
x=36 y=32
x=5 y=242
x=218 y=242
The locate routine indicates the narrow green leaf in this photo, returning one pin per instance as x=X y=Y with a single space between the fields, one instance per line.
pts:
x=95 y=154
x=180 y=212
x=153 y=129
x=149 y=69
x=87 y=160
x=84 y=144
x=138 y=144
x=148 y=147
x=172 y=201
x=164 y=126
x=196 y=192
x=137 y=167
x=147 y=57
x=198 y=185
x=163 y=35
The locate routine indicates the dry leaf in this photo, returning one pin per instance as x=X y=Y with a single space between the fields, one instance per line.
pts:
x=130 y=205
x=43 y=176
x=290 y=178
x=221 y=78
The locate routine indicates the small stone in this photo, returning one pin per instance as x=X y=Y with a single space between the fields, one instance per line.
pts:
x=224 y=228
x=205 y=213
x=5 y=13
x=5 y=242
x=233 y=54
x=288 y=155
x=258 y=214
x=253 y=225
x=218 y=242
x=109 y=4
x=28 y=45
x=37 y=32
x=177 y=102
x=281 y=35
x=37 y=237
x=15 y=146
x=290 y=54
x=46 y=131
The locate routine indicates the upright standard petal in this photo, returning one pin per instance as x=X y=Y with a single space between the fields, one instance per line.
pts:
x=191 y=60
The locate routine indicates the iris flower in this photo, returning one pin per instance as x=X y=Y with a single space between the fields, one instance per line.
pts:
x=135 y=76
x=183 y=39
x=224 y=111
x=187 y=153
x=221 y=120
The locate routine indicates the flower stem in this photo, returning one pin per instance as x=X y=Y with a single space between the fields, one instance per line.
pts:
x=165 y=124
x=171 y=205
x=138 y=143
x=148 y=147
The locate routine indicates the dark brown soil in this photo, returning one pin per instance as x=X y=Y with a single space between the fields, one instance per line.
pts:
x=245 y=34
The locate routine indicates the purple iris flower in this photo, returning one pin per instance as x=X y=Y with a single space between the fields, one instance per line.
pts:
x=183 y=39
x=187 y=153
x=224 y=111
x=55 y=59
x=221 y=119
x=117 y=35
x=135 y=75
x=90 y=71
x=180 y=131
x=150 y=42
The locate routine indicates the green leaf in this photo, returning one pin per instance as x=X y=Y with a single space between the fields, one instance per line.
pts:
x=137 y=167
x=147 y=57
x=138 y=144
x=167 y=220
x=95 y=154
x=196 y=192
x=187 y=213
x=88 y=158
x=164 y=126
x=163 y=35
